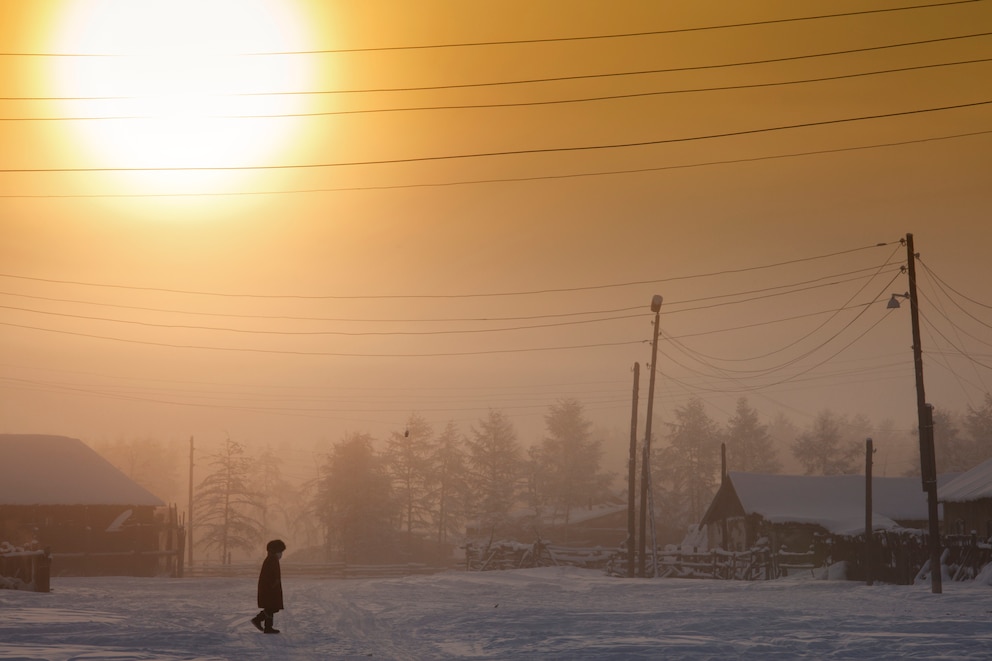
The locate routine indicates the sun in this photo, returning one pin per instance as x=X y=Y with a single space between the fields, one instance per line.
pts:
x=175 y=84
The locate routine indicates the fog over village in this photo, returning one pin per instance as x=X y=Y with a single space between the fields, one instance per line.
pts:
x=388 y=289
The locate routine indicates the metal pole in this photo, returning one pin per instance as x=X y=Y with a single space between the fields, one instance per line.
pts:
x=928 y=468
x=632 y=476
x=646 y=454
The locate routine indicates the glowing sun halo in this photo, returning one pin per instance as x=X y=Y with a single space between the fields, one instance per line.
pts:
x=170 y=81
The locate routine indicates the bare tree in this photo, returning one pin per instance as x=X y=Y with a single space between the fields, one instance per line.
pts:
x=227 y=505
x=149 y=462
x=978 y=424
x=278 y=499
x=449 y=484
x=825 y=449
x=408 y=461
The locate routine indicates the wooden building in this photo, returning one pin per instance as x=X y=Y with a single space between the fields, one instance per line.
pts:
x=791 y=511
x=967 y=503
x=58 y=494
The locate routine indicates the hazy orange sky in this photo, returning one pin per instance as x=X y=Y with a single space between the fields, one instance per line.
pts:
x=285 y=221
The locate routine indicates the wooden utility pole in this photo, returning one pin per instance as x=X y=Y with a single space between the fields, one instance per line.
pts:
x=632 y=475
x=869 y=528
x=928 y=466
x=646 y=454
x=189 y=517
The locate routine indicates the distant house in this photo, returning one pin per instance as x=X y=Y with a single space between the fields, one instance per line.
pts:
x=57 y=493
x=790 y=511
x=967 y=503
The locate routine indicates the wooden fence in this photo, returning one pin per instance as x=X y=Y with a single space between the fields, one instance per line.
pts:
x=316 y=570
x=516 y=555
x=965 y=556
x=26 y=570
x=754 y=565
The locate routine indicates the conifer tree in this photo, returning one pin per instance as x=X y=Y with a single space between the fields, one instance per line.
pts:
x=749 y=445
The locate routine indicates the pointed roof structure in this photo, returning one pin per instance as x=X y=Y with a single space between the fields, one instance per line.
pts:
x=37 y=469
x=835 y=502
x=974 y=484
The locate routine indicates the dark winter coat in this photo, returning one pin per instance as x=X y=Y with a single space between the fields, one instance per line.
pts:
x=270 y=584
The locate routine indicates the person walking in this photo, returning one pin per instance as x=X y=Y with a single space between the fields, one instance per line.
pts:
x=270 y=587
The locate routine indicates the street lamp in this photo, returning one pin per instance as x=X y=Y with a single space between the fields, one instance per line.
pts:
x=928 y=463
x=646 y=457
x=893 y=303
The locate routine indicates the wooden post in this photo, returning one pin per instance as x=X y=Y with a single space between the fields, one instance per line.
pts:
x=869 y=579
x=928 y=468
x=632 y=476
x=656 y=301
x=189 y=518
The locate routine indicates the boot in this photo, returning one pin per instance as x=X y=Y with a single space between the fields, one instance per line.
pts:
x=268 y=624
x=257 y=621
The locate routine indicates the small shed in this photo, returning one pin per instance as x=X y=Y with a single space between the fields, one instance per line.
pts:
x=967 y=502
x=57 y=493
x=791 y=510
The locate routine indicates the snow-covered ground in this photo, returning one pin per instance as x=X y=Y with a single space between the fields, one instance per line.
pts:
x=547 y=613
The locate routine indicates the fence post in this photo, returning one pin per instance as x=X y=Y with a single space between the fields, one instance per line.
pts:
x=43 y=572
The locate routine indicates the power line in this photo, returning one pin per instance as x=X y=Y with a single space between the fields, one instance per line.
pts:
x=512 y=152
x=515 y=42
x=321 y=333
x=418 y=320
x=765 y=371
x=793 y=377
x=453 y=296
x=508 y=104
x=272 y=317
x=428 y=332
x=332 y=354
x=527 y=81
x=810 y=334
x=940 y=280
x=503 y=180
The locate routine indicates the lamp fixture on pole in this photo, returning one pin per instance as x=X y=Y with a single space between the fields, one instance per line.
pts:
x=893 y=303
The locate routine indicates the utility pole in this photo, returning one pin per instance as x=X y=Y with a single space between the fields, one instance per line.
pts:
x=189 y=517
x=646 y=458
x=632 y=475
x=928 y=464
x=869 y=528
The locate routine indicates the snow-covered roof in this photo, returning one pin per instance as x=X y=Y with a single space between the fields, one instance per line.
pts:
x=58 y=470
x=970 y=485
x=836 y=502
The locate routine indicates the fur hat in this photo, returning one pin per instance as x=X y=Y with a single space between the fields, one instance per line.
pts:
x=276 y=546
